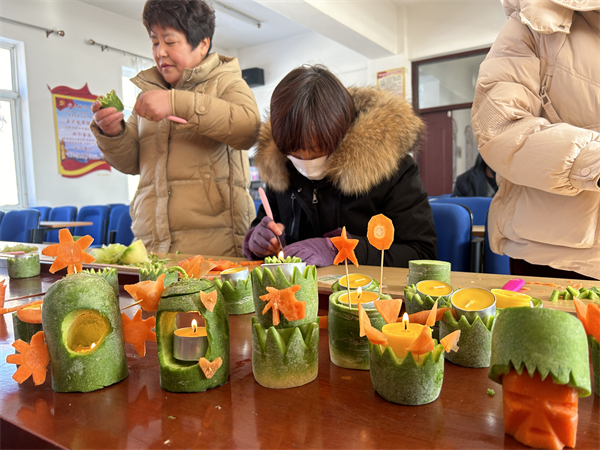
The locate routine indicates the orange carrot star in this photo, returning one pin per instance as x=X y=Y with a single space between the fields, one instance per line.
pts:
x=345 y=248
x=209 y=300
x=68 y=253
x=210 y=368
x=148 y=292
x=2 y=292
x=285 y=301
x=137 y=331
x=32 y=359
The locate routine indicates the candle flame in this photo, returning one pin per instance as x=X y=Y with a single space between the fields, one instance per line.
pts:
x=280 y=255
x=93 y=345
x=405 y=320
x=194 y=325
x=358 y=293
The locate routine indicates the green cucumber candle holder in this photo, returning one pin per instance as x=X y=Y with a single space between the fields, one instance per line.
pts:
x=178 y=375
x=475 y=343
x=236 y=287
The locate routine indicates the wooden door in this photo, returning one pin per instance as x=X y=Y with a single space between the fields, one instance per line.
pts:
x=435 y=153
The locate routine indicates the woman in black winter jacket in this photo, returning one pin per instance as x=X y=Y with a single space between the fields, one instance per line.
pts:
x=332 y=157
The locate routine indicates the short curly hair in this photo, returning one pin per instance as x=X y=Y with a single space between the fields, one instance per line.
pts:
x=194 y=18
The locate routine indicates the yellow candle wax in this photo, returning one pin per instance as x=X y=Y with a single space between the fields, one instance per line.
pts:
x=400 y=336
x=359 y=297
x=434 y=288
x=472 y=299
x=191 y=332
x=508 y=299
x=233 y=270
x=356 y=280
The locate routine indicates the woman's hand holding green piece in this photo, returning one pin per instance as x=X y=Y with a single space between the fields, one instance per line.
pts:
x=153 y=105
x=109 y=120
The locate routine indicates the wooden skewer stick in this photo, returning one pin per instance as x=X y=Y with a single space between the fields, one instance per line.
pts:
x=381 y=276
x=25 y=296
x=348 y=284
x=133 y=304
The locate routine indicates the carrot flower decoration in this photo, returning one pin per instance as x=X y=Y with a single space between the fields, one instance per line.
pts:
x=32 y=359
x=284 y=300
x=380 y=233
x=148 y=292
x=196 y=266
x=345 y=248
x=137 y=331
x=68 y=253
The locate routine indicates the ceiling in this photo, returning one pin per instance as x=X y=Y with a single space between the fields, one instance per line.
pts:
x=230 y=32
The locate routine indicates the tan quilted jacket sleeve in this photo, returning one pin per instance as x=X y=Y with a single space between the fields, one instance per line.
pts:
x=509 y=123
x=122 y=151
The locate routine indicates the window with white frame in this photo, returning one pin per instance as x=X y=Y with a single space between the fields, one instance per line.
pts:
x=13 y=191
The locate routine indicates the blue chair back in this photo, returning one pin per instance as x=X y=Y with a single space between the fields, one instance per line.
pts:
x=115 y=214
x=60 y=214
x=98 y=214
x=493 y=262
x=18 y=225
x=1 y=215
x=453 y=226
x=114 y=205
x=478 y=206
x=44 y=212
x=124 y=235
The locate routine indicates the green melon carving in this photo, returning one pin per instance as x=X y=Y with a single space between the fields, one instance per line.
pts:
x=542 y=340
x=238 y=299
x=285 y=357
x=152 y=273
x=261 y=278
x=414 y=302
x=424 y=269
x=78 y=310
x=110 y=275
x=24 y=330
x=187 y=376
x=25 y=267
x=475 y=342
x=346 y=348
x=407 y=381
x=374 y=287
x=595 y=351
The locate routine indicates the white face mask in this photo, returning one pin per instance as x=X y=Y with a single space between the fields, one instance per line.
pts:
x=313 y=169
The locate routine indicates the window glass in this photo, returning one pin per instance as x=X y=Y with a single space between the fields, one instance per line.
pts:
x=6 y=75
x=8 y=172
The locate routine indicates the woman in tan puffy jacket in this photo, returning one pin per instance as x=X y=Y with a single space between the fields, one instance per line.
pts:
x=536 y=117
x=193 y=191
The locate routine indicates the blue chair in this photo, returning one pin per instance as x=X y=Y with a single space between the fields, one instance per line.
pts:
x=453 y=226
x=124 y=235
x=115 y=214
x=114 y=205
x=493 y=262
x=19 y=225
x=479 y=206
x=1 y=215
x=98 y=214
x=60 y=214
x=44 y=212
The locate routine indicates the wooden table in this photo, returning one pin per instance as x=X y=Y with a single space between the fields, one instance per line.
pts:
x=478 y=231
x=62 y=224
x=340 y=409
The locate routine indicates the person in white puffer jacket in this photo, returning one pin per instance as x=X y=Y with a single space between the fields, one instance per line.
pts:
x=536 y=118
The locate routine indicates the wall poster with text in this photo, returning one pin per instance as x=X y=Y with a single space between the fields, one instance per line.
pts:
x=392 y=80
x=78 y=153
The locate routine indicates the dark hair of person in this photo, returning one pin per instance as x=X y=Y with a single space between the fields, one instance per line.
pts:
x=310 y=110
x=194 y=18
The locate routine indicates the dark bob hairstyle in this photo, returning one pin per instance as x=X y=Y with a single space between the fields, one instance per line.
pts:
x=194 y=18
x=310 y=110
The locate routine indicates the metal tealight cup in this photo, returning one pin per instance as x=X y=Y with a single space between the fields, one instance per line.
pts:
x=470 y=315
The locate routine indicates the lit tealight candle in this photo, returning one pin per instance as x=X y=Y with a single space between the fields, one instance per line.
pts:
x=400 y=336
x=366 y=298
x=286 y=267
x=234 y=275
x=434 y=288
x=508 y=299
x=191 y=343
x=356 y=280
x=473 y=302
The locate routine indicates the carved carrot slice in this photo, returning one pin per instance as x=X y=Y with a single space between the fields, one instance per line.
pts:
x=589 y=316
x=148 y=292
x=389 y=309
x=422 y=316
x=380 y=232
x=196 y=266
x=32 y=359
x=345 y=248
x=431 y=318
x=2 y=292
x=366 y=329
x=423 y=343
x=17 y=308
x=284 y=300
x=137 y=331
x=540 y=414
x=209 y=300
x=31 y=314
x=450 y=341
x=68 y=253
x=210 y=368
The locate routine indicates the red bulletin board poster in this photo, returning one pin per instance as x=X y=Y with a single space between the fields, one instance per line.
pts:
x=392 y=80
x=76 y=146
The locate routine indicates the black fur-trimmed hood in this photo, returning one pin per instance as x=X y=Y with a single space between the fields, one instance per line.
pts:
x=385 y=130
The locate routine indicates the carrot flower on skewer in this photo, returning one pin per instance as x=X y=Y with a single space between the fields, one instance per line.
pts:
x=147 y=291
